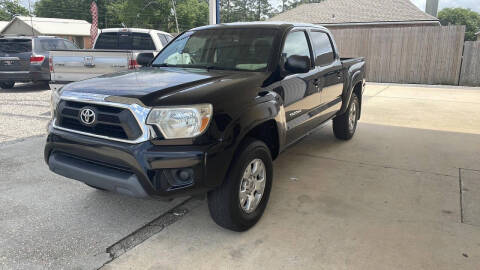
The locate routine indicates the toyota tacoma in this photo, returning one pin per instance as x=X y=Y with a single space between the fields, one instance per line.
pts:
x=207 y=115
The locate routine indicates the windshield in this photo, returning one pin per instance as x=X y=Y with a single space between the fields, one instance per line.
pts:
x=231 y=49
x=15 y=45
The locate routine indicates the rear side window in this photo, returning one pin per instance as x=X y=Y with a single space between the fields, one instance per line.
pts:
x=296 y=44
x=142 y=41
x=323 y=49
x=107 y=41
x=163 y=39
x=15 y=46
x=45 y=45
x=70 y=46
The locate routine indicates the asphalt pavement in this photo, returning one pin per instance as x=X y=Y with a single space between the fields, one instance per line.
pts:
x=48 y=221
x=402 y=194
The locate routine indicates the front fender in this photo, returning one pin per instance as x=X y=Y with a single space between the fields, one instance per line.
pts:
x=268 y=108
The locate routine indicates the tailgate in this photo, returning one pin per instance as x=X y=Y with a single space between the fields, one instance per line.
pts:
x=15 y=54
x=76 y=65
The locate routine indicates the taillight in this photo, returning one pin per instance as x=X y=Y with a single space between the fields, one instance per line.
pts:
x=50 y=63
x=133 y=64
x=37 y=59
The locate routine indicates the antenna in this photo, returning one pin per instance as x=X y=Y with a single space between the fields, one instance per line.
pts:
x=31 y=17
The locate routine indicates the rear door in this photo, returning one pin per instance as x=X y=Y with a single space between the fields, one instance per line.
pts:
x=329 y=68
x=15 y=54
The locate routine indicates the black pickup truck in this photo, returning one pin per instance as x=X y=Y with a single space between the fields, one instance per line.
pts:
x=206 y=116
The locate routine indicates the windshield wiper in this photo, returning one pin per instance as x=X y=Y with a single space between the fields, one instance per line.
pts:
x=161 y=65
x=207 y=67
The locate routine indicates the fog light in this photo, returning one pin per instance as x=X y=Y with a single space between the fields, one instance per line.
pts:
x=173 y=178
x=185 y=175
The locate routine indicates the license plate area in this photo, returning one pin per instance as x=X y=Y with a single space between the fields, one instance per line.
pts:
x=9 y=63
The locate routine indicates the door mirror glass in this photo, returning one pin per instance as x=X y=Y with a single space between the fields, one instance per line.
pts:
x=297 y=64
x=144 y=59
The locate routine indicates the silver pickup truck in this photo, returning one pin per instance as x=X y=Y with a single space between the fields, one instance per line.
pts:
x=115 y=49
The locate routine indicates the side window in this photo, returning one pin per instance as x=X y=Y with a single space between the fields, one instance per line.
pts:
x=107 y=41
x=45 y=45
x=70 y=46
x=169 y=38
x=163 y=39
x=296 y=44
x=142 y=41
x=323 y=48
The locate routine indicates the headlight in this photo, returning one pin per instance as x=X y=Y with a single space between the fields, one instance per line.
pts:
x=181 y=122
x=54 y=99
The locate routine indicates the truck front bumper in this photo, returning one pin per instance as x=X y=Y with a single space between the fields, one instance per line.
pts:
x=140 y=170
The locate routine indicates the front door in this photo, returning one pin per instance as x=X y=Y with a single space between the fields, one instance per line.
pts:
x=301 y=93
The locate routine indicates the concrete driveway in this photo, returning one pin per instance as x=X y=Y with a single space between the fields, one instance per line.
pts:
x=402 y=194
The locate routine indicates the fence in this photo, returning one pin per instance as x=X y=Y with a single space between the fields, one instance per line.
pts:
x=423 y=55
x=470 y=74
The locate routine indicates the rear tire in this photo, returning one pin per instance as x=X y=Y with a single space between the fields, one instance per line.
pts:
x=7 y=85
x=240 y=201
x=345 y=125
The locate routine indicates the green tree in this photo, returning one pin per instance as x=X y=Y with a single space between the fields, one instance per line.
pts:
x=191 y=13
x=461 y=16
x=10 y=8
x=71 y=9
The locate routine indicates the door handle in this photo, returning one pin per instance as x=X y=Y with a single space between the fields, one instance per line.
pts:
x=316 y=82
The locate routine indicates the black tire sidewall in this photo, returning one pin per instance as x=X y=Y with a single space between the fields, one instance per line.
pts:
x=253 y=151
x=7 y=85
x=353 y=100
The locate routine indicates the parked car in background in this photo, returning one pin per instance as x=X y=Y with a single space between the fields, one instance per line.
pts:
x=207 y=116
x=25 y=59
x=115 y=50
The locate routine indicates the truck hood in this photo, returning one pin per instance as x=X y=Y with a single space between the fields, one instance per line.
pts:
x=158 y=86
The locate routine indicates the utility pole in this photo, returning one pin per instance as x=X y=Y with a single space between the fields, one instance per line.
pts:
x=175 y=14
x=432 y=7
x=212 y=11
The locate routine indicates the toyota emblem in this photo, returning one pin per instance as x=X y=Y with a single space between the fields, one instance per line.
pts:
x=87 y=116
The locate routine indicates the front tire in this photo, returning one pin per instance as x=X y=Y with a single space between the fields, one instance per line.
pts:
x=345 y=125
x=7 y=85
x=240 y=201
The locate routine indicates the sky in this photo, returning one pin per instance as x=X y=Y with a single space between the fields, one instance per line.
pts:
x=472 y=4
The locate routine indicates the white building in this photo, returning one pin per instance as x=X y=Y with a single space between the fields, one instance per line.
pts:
x=77 y=31
x=3 y=24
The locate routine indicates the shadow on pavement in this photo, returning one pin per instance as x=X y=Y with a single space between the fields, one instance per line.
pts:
x=27 y=87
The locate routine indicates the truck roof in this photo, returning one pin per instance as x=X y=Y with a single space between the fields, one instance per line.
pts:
x=269 y=24
x=28 y=37
x=136 y=30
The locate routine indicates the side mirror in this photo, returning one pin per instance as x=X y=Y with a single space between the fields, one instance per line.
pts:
x=297 y=64
x=144 y=59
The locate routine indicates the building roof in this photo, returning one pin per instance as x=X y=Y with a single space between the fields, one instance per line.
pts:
x=54 y=26
x=478 y=33
x=332 y=12
x=3 y=24
x=258 y=24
